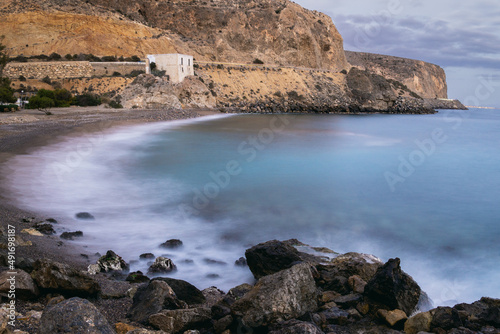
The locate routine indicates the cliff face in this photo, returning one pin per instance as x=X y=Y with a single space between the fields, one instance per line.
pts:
x=276 y=32
x=425 y=79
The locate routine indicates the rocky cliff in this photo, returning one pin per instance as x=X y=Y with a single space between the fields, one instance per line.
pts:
x=425 y=79
x=275 y=32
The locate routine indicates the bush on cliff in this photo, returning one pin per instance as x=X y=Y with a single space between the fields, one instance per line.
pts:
x=86 y=100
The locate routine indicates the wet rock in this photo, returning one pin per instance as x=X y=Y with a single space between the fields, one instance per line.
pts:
x=357 y=284
x=184 y=291
x=61 y=278
x=51 y=220
x=162 y=265
x=445 y=318
x=420 y=322
x=296 y=327
x=45 y=228
x=271 y=257
x=171 y=244
x=151 y=299
x=175 y=321
x=146 y=256
x=71 y=235
x=137 y=277
x=278 y=297
x=334 y=316
x=84 y=216
x=112 y=262
x=212 y=296
x=394 y=288
x=241 y=262
x=19 y=281
x=76 y=316
x=394 y=318
x=212 y=261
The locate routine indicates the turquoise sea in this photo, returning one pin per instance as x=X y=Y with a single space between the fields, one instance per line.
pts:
x=424 y=188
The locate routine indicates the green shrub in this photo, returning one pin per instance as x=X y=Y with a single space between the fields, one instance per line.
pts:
x=257 y=61
x=47 y=80
x=22 y=78
x=55 y=56
x=41 y=103
x=116 y=105
x=6 y=92
x=86 y=100
x=8 y=107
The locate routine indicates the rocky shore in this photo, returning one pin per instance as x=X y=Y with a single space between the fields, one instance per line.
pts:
x=64 y=288
x=298 y=289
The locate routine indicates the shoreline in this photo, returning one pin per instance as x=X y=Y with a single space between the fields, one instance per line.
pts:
x=38 y=130
x=25 y=137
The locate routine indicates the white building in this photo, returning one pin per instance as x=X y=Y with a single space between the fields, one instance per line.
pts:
x=175 y=65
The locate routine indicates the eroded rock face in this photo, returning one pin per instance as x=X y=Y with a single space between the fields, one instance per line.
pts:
x=278 y=297
x=175 y=321
x=61 y=278
x=394 y=288
x=76 y=316
x=425 y=79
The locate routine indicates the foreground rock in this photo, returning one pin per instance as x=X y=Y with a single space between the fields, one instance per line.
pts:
x=175 y=321
x=60 y=278
x=76 y=316
x=25 y=288
x=184 y=291
x=285 y=295
x=394 y=288
x=151 y=299
x=271 y=257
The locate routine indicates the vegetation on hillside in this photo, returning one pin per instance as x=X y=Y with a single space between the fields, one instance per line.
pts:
x=6 y=92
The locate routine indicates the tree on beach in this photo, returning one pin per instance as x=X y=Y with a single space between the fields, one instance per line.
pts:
x=6 y=92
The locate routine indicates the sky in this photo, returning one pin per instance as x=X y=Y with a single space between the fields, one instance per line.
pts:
x=461 y=37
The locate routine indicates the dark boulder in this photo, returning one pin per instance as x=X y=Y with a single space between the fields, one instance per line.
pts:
x=146 y=256
x=152 y=298
x=61 y=278
x=45 y=228
x=137 y=277
x=394 y=288
x=241 y=262
x=25 y=288
x=171 y=244
x=183 y=290
x=76 y=316
x=71 y=235
x=445 y=318
x=84 y=216
x=271 y=257
x=112 y=262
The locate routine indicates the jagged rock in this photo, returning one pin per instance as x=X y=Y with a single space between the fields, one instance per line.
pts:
x=335 y=276
x=112 y=262
x=271 y=257
x=76 y=316
x=445 y=318
x=334 y=316
x=84 y=216
x=171 y=244
x=20 y=282
x=162 y=265
x=222 y=324
x=296 y=327
x=212 y=296
x=357 y=284
x=394 y=318
x=394 y=288
x=137 y=277
x=174 y=321
x=420 y=322
x=184 y=291
x=223 y=307
x=151 y=299
x=45 y=228
x=278 y=297
x=61 y=278
x=71 y=235
x=241 y=262
x=32 y=231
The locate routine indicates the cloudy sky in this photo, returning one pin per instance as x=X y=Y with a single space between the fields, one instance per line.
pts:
x=462 y=37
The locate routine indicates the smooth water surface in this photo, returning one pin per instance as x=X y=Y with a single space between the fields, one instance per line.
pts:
x=424 y=188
